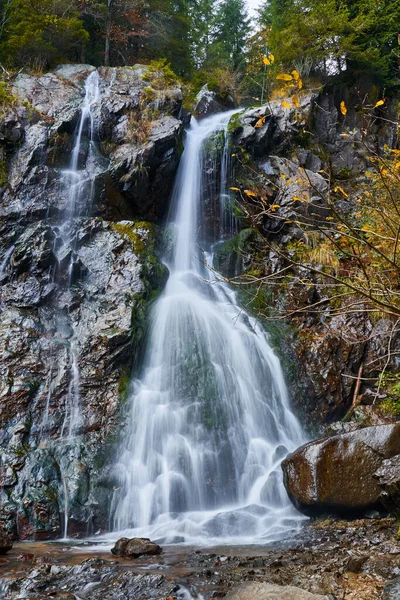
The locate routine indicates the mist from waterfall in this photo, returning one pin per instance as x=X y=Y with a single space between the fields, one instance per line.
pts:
x=210 y=418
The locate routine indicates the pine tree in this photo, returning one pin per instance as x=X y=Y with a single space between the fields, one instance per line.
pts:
x=232 y=31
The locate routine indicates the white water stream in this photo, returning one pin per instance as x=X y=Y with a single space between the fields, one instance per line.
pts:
x=210 y=418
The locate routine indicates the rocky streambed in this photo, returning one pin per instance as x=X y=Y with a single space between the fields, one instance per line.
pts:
x=352 y=560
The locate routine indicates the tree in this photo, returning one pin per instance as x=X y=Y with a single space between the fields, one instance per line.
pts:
x=232 y=31
x=202 y=30
x=336 y=35
x=39 y=32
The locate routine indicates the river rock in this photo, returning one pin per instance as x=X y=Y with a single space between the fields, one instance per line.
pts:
x=336 y=475
x=5 y=542
x=266 y=591
x=135 y=547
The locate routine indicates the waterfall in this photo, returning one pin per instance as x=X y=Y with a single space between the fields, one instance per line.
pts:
x=78 y=181
x=210 y=419
x=77 y=192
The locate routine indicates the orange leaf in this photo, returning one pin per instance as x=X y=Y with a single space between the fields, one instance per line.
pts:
x=295 y=101
x=343 y=108
x=260 y=123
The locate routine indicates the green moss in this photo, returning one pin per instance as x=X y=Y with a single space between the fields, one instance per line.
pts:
x=390 y=384
x=234 y=122
x=136 y=234
x=123 y=384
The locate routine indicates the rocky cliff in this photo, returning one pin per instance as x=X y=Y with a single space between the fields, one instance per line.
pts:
x=74 y=305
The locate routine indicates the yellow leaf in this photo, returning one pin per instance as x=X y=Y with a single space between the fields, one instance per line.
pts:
x=233 y=154
x=300 y=84
x=285 y=104
x=343 y=108
x=340 y=189
x=295 y=101
x=260 y=123
x=275 y=206
x=284 y=77
x=329 y=218
x=266 y=60
x=250 y=193
x=283 y=176
x=271 y=58
x=297 y=199
x=296 y=75
x=235 y=189
x=379 y=103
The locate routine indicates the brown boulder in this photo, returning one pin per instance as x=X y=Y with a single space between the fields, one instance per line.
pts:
x=336 y=475
x=265 y=591
x=388 y=476
x=135 y=547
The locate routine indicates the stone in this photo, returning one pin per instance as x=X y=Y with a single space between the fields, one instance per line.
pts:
x=392 y=590
x=210 y=103
x=336 y=475
x=135 y=547
x=388 y=476
x=266 y=591
x=5 y=542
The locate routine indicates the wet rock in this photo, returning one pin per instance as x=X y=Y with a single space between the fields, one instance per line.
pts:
x=266 y=591
x=135 y=547
x=5 y=542
x=392 y=590
x=278 y=126
x=388 y=476
x=210 y=103
x=336 y=475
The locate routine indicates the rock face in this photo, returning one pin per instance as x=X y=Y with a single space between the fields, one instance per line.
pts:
x=388 y=476
x=73 y=314
x=266 y=591
x=5 y=542
x=209 y=103
x=135 y=547
x=336 y=475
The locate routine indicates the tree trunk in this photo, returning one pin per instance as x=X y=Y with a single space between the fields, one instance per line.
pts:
x=108 y=33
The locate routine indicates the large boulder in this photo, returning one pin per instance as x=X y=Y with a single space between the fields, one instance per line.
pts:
x=266 y=591
x=210 y=103
x=336 y=475
x=135 y=547
x=388 y=476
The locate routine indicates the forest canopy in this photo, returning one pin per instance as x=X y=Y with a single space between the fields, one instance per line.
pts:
x=327 y=37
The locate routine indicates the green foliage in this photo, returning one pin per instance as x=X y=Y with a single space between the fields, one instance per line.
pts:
x=40 y=33
x=332 y=36
x=389 y=383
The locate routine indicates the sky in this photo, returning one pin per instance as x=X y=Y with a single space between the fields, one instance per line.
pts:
x=253 y=5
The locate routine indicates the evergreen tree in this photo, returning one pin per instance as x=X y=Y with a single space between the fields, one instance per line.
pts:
x=202 y=30
x=232 y=31
x=40 y=32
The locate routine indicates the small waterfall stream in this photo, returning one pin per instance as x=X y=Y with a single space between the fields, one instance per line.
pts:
x=210 y=419
x=78 y=188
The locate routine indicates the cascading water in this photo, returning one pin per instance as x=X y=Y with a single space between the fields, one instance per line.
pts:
x=78 y=180
x=210 y=418
x=78 y=188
